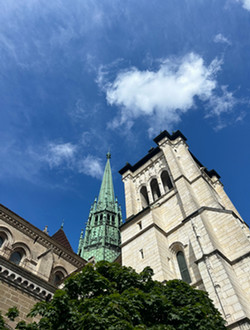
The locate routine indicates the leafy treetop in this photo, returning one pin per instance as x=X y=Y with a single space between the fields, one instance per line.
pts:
x=110 y=296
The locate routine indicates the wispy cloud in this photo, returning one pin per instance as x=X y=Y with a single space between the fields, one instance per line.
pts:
x=245 y=4
x=92 y=166
x=223 y=103
x=164 y=94
x=58 y=154
x=68 y=156
x=219 y=38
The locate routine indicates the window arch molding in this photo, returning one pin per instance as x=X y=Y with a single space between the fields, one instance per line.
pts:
x=58 y=273
x=17 y=256
x=20 y=246
x=6 y=235
x=177 y=248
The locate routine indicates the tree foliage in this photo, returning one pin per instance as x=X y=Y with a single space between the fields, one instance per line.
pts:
x=110 y=296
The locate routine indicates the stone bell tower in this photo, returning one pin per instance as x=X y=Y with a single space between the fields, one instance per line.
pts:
x=182 y=224
x=102 y=235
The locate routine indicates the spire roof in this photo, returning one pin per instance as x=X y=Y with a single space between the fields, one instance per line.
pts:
x=106 y=194
x=61 y=238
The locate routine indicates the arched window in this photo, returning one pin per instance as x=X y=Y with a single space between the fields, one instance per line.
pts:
x=57 y=278
x=144 y=197
x=183 y=267
x=16 y=257
x=113 y=220
x=1 y=241
x=155 y=189
x=101 y=217
x=167 y=184
x=108 y=219
x=5 y=236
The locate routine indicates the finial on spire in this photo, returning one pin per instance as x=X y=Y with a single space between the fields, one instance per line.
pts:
x=62 y=224
x=108 y=155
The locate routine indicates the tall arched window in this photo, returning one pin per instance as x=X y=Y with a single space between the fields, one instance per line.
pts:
x=183 y=267
x=144 y=197
x=155 y=189
x=16 y=257
x=167 y=184
x=113 y=220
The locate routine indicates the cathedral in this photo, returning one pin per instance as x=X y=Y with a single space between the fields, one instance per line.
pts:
x=182 y=224
x=179 y=221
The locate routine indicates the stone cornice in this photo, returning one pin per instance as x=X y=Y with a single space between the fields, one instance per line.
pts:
x=218 y=252
x=25 y=280
x=238 y=323
x=182 y=223
x=153 y=205
x=39 y=236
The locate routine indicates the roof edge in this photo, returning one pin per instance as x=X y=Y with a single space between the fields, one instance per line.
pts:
x=171 y=137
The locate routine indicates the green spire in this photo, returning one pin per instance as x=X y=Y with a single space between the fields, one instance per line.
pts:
x=106 y=194
x=102 y=235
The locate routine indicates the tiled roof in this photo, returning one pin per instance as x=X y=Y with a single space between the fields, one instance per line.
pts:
x=61 y=238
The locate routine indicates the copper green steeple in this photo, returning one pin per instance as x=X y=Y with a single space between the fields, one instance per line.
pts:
x=102 y=235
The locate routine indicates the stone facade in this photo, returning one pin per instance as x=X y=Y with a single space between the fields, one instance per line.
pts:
x=32 y=263
x=182 y=224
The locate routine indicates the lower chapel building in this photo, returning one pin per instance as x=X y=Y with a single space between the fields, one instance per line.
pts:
x=179 y=221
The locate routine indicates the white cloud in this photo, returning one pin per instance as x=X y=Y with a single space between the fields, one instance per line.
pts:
x=245 y=4
x=219 y=38
x=219 y=104
x=67 y=155
x=57 y=154
x=165 y=94
x=91 y=165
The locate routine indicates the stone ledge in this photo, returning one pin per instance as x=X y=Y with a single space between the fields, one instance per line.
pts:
x=188 y=218
x=24 y=280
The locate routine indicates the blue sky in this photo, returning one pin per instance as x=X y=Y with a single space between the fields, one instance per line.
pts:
x=78 y=78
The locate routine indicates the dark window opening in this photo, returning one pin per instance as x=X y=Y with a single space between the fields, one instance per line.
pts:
x=16 y=257
x=155 y=189
x=96 y=220
x=167 y=184
x=144 y=197
x=57 y=278
x=1 y=241
x=183 y=267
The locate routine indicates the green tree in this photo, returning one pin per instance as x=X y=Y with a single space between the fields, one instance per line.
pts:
x=110 y=296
